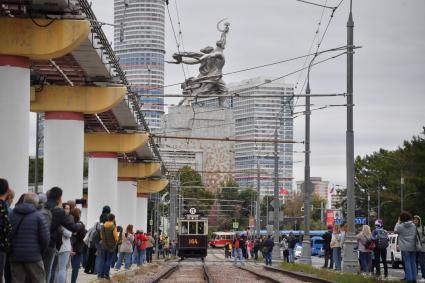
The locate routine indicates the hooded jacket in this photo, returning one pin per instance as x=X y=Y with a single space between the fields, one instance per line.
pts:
x=406 y=236
x=421 y=233
x=32 y=237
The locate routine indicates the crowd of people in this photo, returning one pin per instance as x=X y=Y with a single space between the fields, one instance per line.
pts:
x=41 y=236
x=372 y=247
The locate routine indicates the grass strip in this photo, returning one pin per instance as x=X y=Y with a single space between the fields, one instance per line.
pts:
x=331 y=275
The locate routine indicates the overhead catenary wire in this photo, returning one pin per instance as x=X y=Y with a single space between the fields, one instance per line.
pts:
x=224 y=139
x=175 y=37
x=261 y=66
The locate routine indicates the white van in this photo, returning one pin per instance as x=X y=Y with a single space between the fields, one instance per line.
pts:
x=393 y=252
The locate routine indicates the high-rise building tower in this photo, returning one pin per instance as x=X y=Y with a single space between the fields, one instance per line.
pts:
x=257 y=118
x=139 y=44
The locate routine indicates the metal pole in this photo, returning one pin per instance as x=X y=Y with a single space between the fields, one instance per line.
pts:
x=321 y=215
x=173 y=199
x=379 y=200
x=368 y=206
x=37 y=147
x=157 y=224
x=257 y=205
x=276 y=207
x=350 y=258
x=401 y=189
x=306 y=251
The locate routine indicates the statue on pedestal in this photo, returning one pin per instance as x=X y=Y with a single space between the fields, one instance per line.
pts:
x=209 y=80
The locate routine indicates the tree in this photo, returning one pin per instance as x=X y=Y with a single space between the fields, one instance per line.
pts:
x=385 y=165
x=193 y=191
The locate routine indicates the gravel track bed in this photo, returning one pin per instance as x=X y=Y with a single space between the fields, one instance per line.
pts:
x=277 y=275
x=228 y=273
x=187 y=274
x=144 y=274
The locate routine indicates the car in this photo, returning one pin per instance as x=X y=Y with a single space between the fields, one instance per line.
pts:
x=393 y=251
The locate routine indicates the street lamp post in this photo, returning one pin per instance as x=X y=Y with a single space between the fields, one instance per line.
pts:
x=306 y=251
x=350 y=258
x=379 y=191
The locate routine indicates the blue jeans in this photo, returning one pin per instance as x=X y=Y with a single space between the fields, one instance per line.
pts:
x=105 y=260
x=139 y=257
x=269 y=258
x=365 y=259
x=238 y=254
x=409 y=265
x=75 y=263
x=336 y=253
x=126 y=257
x=63 y=259
x=291 y=255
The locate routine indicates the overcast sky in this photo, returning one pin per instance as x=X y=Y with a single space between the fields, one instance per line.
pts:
x=389 y=71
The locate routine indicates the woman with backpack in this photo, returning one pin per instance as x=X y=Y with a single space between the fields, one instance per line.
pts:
x=380 y=236
x=140 y=248
x=336 y=246
x=366 y=245
x=126 y=248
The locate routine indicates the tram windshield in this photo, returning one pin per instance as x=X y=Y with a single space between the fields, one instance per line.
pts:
x=192 y=227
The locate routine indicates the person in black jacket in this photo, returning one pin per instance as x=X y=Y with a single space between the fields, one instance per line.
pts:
x=77 y=243
x=327 y=246
x=59 y=218
x=30 y=238
x=268 y=249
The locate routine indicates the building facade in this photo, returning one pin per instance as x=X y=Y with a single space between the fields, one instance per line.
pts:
x=213 y=159
x=257 y=118
x=139 y=42
x=319 y=187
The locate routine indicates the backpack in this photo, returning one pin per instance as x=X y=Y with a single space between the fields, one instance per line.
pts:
x=369 y=244
x=382 y=239
x=237 y=244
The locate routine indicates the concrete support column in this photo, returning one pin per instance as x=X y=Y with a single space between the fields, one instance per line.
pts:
x=14 y=121
x=64 y=153
x=142 y=213
x=102 y=184
x=126 y=201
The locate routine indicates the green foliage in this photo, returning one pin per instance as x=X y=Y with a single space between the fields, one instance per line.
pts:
x=193 y=190
x=408 y=159
x=235 y=204
x=31 y=170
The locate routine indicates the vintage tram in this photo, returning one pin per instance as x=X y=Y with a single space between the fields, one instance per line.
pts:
x=192 y=235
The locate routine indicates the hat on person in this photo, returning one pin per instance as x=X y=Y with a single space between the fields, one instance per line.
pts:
x=379 y=223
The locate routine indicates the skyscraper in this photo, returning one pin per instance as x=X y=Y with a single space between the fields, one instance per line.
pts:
x=257 y=118
x=139 y=44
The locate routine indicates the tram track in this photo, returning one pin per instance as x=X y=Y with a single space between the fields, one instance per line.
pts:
x=185 y=273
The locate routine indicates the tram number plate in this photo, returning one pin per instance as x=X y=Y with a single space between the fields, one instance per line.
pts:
x=193 y=242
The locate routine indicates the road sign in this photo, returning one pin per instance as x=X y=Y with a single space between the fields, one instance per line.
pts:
x=338 y=221
x=192 y=210
x=360 y=220
x=235 y=225
x=151 y=222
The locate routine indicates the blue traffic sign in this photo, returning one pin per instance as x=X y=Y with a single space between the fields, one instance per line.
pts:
x=360 y=220
x=338 y=221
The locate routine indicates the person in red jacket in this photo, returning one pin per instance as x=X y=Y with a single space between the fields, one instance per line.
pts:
x=140 y=240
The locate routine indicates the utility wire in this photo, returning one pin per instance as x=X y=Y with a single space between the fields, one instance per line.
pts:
x=262 y=66
x=175 y=38
x=180 y=31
